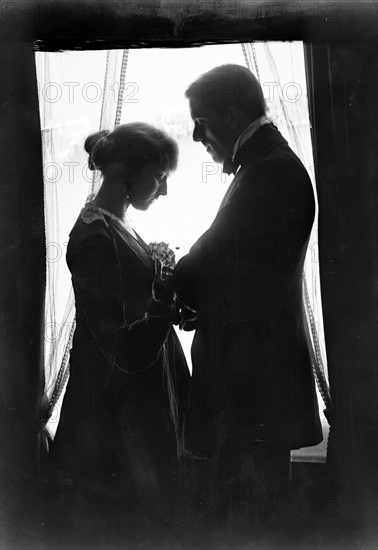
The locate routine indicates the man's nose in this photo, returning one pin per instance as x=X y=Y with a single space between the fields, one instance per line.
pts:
x=197 y=133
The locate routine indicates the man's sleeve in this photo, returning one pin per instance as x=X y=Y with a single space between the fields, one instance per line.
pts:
x=251 y=235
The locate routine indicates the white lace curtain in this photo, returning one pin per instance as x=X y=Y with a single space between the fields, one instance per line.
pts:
x=96 y=92
x=66 y=171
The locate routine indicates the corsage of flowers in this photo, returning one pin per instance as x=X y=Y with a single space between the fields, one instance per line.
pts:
x=165 y=261
x=164 y=257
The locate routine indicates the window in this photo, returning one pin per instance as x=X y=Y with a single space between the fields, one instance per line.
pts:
x=73 y=95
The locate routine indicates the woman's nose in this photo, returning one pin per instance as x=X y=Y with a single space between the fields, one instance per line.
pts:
x=163 y=187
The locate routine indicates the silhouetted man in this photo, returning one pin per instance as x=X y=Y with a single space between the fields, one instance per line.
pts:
x=253 y=395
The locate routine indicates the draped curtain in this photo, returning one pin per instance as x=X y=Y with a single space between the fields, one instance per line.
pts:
x=61 y=141
x=22 y=254
x=342 y=89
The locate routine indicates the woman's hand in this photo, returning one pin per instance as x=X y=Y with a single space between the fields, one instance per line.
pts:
x=187 y=318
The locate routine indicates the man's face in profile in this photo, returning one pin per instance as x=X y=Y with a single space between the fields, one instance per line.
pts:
x=211 y=129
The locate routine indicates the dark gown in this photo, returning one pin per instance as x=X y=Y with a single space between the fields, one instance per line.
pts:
x=121 y=419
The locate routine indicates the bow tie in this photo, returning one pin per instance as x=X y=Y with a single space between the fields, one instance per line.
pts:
x=230 y=166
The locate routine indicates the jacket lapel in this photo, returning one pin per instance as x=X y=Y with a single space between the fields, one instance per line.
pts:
x=255 y=149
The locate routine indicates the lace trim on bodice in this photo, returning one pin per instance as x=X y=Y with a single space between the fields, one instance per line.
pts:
x=92 y=212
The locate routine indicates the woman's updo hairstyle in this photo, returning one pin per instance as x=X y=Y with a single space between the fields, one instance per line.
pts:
x=135 y=144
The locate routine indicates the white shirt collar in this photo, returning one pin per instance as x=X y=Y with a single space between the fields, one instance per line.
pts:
x=248 y=132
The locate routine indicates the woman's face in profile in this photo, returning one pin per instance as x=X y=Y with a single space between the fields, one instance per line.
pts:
x=149 y=183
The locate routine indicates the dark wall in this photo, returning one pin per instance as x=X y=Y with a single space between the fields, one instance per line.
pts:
x=343 y=107
x=23 y=268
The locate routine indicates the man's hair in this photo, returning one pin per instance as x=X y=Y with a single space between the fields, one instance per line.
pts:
x=227 y=85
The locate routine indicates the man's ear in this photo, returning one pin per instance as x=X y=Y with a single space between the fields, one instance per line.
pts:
x=232 y=117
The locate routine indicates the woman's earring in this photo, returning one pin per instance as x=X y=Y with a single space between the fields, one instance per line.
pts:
x=127 y=195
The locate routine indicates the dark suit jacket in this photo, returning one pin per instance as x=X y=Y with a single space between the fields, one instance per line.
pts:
x=252 y=376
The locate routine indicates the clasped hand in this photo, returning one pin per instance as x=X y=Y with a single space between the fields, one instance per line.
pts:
x=168 y=304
